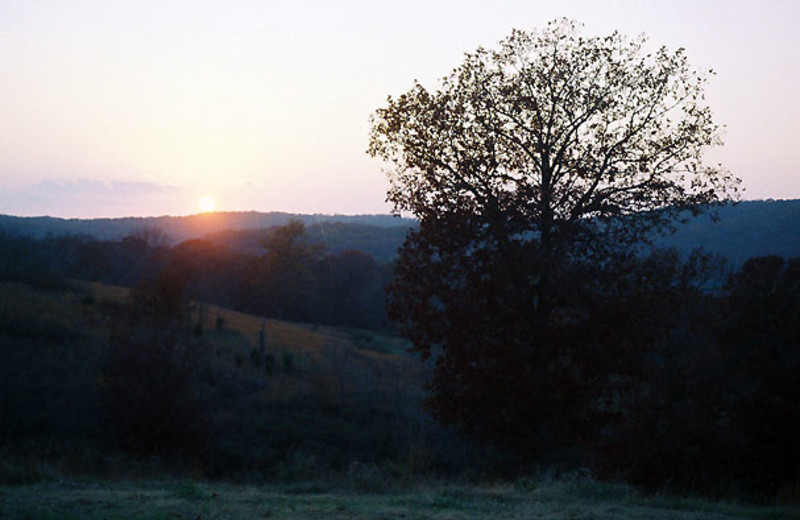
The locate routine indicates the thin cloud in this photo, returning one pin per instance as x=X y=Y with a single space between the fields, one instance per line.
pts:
x=82 y=187
x=83 y=198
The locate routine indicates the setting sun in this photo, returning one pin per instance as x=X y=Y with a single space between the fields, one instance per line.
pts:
x=207 y=204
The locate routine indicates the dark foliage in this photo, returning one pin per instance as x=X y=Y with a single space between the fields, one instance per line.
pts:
x=151 y=396
x=646 y=368
x=539 y=369
x=763 y=334
x=720 y=407
x=349 y=291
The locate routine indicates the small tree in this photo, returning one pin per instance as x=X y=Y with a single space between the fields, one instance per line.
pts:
x=285 y=276
x=150 y=375
x=535 y=171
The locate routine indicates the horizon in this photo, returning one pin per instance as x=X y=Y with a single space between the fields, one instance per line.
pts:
x=212 y=214
x=120 y=109
x=216 y=213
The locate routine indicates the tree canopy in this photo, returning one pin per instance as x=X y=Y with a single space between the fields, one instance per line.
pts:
x=553 y=127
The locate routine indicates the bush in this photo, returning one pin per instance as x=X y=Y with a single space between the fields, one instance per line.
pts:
x=151 y=403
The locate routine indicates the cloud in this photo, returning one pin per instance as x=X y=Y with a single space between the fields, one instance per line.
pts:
x=88 y=198
x=247 y=183
x=83 y=187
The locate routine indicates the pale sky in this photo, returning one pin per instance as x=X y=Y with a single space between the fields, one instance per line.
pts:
x=116 y=108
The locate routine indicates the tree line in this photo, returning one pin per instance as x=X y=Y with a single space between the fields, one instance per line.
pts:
x=293 y=278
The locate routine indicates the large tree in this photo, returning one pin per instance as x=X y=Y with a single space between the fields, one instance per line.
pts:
x=535 y=171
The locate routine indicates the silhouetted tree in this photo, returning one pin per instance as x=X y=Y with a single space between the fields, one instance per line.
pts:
x=350 y=290
x=537 y=171
x=282 y=280
x=149 y=382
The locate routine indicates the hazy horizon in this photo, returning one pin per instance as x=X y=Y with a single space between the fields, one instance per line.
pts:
x=118 y=108
x=221 y=213
x=210 y=214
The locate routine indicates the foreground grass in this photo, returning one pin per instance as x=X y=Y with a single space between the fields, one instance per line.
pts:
x=572 y=499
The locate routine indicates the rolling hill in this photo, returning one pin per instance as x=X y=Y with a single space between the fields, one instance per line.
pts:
x=178 y=229
x=744 y=230
x=741 y=231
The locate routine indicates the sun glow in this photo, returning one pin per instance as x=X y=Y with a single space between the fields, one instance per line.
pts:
x=207 y=204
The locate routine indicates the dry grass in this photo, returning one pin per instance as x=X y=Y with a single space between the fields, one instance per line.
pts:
x=328 y=364
x=264 y=409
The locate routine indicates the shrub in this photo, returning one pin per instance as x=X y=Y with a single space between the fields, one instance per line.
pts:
x=151 y=404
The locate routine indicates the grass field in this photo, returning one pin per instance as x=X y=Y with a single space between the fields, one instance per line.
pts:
x=315 y=396
x=333 y=365
x=577 y=498
x=364 y=389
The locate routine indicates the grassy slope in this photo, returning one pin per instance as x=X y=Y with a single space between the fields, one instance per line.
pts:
x=54 y=344
x=571 y=499
x=337 y=365
x=330 y=363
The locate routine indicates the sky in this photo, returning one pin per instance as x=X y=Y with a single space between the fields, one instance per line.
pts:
x=113 y=108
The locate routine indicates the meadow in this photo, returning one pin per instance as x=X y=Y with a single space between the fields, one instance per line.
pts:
x=307 y=392
x=324 y=423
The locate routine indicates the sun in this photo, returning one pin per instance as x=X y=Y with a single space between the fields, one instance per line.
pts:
x=207 y=204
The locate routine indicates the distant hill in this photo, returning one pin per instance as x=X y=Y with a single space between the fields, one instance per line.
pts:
x=179 y=229
x=742 y=231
